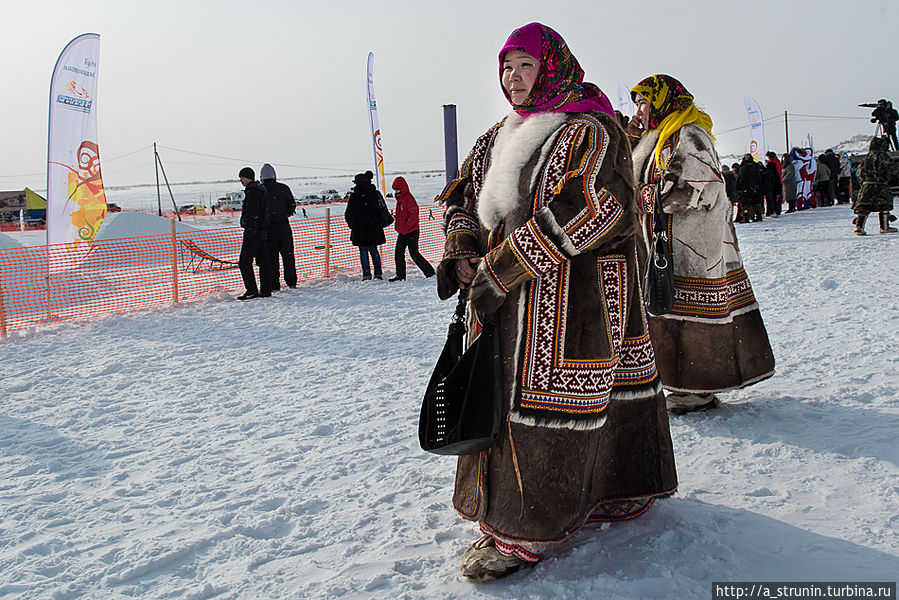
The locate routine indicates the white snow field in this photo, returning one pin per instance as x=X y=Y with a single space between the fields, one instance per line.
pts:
x=269 y=449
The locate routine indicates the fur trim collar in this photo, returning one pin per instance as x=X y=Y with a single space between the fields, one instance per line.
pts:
x=643 y=151
x=514 y=146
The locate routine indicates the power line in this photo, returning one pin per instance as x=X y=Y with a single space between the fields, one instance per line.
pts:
x=244 y=160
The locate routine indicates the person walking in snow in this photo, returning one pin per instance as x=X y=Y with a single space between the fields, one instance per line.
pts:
x=254 y=220
x=874 y=174
x=541 y=228
x=363 y=217
x=407 y=229
x=281 y=206
x=713 y=340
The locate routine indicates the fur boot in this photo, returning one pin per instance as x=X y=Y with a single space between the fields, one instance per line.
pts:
x=679 y=403
x=860 y=224
x=885 y=223
x=483 y=562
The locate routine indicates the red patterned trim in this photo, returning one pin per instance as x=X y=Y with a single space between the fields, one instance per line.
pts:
x=646 y=199
x=621 y=510
x=519 y=550
x=536 y=253
x=637 y=364
x=489 y=268
x=712 y=298
x=552 y=382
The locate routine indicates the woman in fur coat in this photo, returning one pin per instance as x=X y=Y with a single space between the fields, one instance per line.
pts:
x=714 y=338
x=541 y=227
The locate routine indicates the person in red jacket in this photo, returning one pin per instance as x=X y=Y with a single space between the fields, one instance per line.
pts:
x=406 y=224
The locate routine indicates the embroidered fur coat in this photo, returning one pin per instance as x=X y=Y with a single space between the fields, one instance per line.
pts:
x=548 y=202
x=714 y=338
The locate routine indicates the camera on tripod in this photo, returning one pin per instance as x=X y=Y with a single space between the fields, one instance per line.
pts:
x=883 y=112
x=885 y=116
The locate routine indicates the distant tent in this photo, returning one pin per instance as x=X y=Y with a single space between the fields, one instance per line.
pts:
x=33 y=201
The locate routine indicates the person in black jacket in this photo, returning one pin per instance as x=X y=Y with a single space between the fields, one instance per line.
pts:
x=363 y=216
x=254 y=219
x=750 y=188
x=281 y=206
x=774 y=188
x=833 y=163
x=730 y=185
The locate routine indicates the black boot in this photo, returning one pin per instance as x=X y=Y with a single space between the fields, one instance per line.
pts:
x=885 y=223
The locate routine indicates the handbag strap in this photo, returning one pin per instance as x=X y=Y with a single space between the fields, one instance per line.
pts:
x=659 y=229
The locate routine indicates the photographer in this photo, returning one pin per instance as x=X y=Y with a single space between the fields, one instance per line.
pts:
x=887 y=116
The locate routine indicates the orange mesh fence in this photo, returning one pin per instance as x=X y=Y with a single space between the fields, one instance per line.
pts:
x=37 y=287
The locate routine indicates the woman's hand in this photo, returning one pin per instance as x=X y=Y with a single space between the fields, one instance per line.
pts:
x=634 y=127
x=465 y=270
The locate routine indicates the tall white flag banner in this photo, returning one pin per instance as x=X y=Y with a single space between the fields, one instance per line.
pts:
x=76 y=200
x=756 y=129
x=625 y=104
x=375 y=127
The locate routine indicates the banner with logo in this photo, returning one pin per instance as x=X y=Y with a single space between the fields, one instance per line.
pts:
x=375 y=128
x=756 y=129
x=806 y=168
x=625 y=104
x=76 y=200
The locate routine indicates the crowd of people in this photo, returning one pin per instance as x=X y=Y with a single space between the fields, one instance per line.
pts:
x=796 y=179
x=268 y=239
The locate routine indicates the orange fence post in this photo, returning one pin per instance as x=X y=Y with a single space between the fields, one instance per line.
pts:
x=327 y=272
x=2 y=316
x=174 y=262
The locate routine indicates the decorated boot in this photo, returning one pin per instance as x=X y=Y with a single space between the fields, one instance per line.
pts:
x=483 y=562
x=885 y=223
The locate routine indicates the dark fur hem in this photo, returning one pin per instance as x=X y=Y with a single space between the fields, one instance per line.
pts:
x=564 y=536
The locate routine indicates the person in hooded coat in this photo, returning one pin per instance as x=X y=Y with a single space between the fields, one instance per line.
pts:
x=363 y=217
x=407 y=229
x=713 y=340
x=874 y=175
x=789 y=182
x=281 y=206
x=541 y=228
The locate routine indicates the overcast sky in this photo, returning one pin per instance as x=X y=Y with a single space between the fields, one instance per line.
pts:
x=284 y=81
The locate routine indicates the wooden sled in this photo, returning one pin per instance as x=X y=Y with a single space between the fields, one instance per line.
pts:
x=199 y=258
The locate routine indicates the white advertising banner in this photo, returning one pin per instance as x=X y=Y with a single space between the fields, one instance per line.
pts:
x=756 y=129
x=76 y=200
x=375 y=128
x=625 y=104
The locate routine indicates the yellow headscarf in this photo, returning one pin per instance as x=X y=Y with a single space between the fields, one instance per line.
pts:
x=670 y=108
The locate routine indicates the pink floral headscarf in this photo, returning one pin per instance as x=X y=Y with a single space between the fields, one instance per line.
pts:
x=560 y=85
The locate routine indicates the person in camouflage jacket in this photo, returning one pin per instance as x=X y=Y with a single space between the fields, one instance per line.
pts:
x=874 y=174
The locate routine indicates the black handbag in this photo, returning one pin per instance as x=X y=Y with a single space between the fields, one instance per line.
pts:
x=386 y=217
x=462 y=405
x=658 y=281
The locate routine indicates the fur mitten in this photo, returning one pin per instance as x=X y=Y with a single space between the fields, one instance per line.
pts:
x=447 y=285
x=485 y=295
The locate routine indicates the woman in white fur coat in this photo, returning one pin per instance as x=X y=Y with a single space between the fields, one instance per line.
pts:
x=714 y=338
x=541 y=227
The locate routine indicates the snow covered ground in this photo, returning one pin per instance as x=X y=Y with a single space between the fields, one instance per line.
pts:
x=268 y=449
